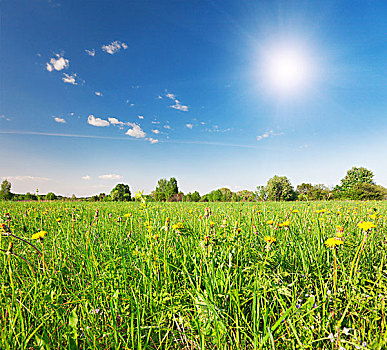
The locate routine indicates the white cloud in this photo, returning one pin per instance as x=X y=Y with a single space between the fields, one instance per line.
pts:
x=155 y=131
x=179 y=106
x=87 y=177
x=110 y=177
x=159 y=97
x=4 y=117
x=69 y=79
x=97 y=121
x=167 y=127
x=114 y=47
x=136 y=131
x=152 y=141
x=141 y=117
x=58 y=64
x=98 y=93
x=27 y=178
x=49 y=67
x=155 y=122
x=171 y=96
x=60 y=120
x=115 y=121
x=267 y=134
x=90 y=52
x=189 y=126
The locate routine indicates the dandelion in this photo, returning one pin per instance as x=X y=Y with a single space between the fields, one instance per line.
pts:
x=178 y=227
x=366 y=225
x=128 y=215
x=295 y=211
x=270 y=222
x=40 y=235
x=284 y=224
x=59 y=220
x=269 y=240
x=333 y=242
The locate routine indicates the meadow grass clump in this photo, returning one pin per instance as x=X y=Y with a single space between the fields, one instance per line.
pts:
x=193 y=275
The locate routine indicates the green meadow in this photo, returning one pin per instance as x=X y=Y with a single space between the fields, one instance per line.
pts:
x=135 y=275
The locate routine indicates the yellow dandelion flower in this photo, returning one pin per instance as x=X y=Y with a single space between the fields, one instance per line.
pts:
x=269 y=239
x=39 y=235
x=284 y=224
x=365 y=226
x=270 y=222
x=178 y=227
x=128 y=215
x=295 y=211
x=333 y=242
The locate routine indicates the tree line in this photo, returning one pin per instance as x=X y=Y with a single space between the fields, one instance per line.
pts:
x=358 y=184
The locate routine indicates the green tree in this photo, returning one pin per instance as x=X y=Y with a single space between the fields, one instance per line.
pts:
x=195 y=197
x=246 y=196
x=260 y=193
x=51 y=196
x=355 y=179
x=279 y=188
x=165 y=190
x=119 y=193
x=5 y=191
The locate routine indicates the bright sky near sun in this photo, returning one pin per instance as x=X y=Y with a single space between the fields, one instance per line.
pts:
x=214 y=93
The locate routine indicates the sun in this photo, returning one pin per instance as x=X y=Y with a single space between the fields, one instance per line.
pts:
x=287 y=70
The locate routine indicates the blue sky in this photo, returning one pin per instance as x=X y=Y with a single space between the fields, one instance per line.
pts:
x=214 y=93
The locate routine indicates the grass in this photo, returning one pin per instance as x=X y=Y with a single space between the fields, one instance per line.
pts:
x=106 y=280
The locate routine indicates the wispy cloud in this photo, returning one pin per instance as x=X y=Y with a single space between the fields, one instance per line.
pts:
x=136 y=131
x=115 y=121
x=268 y=134
x=86 y=177
x=216 y=128
x=156 y=131
x=111 y=177
x=97 y=121
x=60 y=120
x=57 y=63
x=171 y=96
x=152 y=140
x=114 y=47
x=5 y=118
x=90 y=52
x=167 y=127
x=189 y=126
x=37 y=133
x=177 y=104
x=27 y=178
x=70 y=78
x=140 y=117
x=98 y=93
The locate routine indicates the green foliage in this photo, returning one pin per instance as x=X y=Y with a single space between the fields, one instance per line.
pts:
x=51 y=196
x=260 y=193
x=279 y=188
x=165 y=190
x=192 y=197
x=358 y=184
x=5 y=191
x=307 y=191
x=119 y=193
